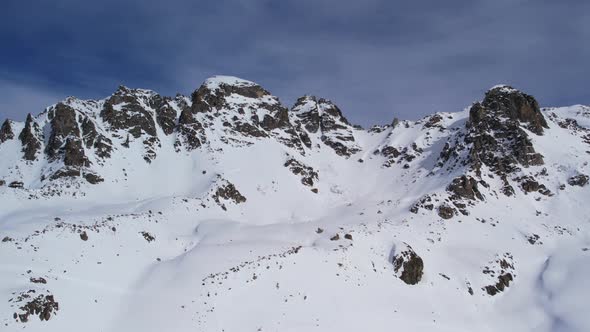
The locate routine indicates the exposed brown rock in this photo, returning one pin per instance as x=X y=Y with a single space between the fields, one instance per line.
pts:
x=465 y=187
x=433 y=121
x=93 y=178
x=30 y=138
x=578 y=180
x=318 y=115
x=165 y=114
x=529 y=184
x=64 y=126
x=74 y=153
x=191 y=130
x=16 y=184
x=43 y=306
x=39 y=280
x=503 y=282
x=515 y=105
x=408 y=266
x=228 y=192
x=307 y=173
x=132 y=116
x=103 y=146
x=6 y=131
x=446 y=212
x=147 y=236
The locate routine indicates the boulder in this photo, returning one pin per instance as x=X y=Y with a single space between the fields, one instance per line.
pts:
x=446 y=212
x=16 y=185
x=579 y=180
x=408 y=266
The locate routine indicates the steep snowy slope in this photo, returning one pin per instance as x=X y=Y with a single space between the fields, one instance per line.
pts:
x=227 y=211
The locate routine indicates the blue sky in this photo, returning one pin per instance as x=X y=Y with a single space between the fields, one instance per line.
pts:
x=376 y=59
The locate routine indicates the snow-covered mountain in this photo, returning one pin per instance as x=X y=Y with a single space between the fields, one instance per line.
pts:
x=228 y=211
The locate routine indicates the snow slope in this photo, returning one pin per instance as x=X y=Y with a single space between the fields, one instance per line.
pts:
x=225 y=211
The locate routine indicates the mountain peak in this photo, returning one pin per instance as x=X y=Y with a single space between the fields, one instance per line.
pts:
x=216 y=81
x=508 y=102
x=505 y=88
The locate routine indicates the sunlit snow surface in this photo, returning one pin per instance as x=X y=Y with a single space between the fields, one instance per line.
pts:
x=263 y=266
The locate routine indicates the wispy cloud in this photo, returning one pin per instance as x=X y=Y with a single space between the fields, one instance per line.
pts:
x=377 y=59
x=17 y=100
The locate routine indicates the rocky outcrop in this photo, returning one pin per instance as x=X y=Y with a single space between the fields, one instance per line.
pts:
x=190 y=130
x=126 y=110
x=245 y=111
x=6 y=131
x=92 y=178
x=434 y=121
x=16 y=185
x=307 y=173
x=64 y=126
x=529 y=184
x=165 y=114
x=43 y=306
x=496 y=138
x=498 y=142
x=322 y=117
x=225 y=191
x=102 y=145
x=74 y=154
x=505 y=101
x=502 y=270
x=211 y=96
x=579 y=180
x=464 y=187
x=31 y=138
x=399 y=155
x=132 y=110
x=408 y=266
x=446 y=212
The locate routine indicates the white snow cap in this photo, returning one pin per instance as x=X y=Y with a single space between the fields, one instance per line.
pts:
x=215 y=81
x=503 y=88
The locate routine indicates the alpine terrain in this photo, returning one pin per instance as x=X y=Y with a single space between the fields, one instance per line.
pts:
x=228 y=211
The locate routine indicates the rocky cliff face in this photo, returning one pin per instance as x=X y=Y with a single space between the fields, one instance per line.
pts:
x=82 y=135
x=496 y=144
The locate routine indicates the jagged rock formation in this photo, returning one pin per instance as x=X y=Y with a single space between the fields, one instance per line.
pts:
x=307 y=173
x=31 y=138
x=502 y=270
x=494 y=143
x=6 y=131
x=321 y=118
x=226 y=191
x=83 y=135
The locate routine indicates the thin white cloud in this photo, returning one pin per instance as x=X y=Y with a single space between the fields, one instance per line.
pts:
x=17 y=99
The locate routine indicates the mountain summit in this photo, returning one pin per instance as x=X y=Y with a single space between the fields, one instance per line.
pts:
x=146 y=212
